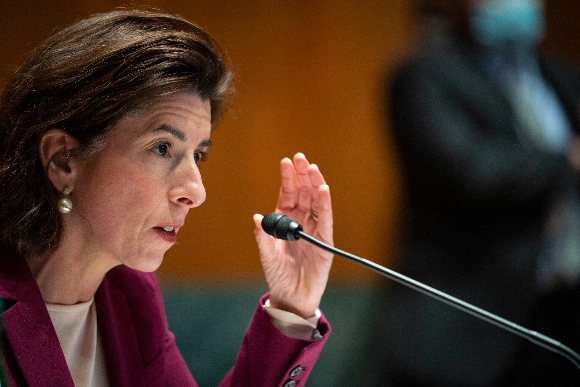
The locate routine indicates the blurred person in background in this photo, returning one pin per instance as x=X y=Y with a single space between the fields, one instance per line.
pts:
x=487 y=129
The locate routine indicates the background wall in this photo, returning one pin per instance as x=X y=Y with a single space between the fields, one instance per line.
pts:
x=308 y=77
x=307 y=80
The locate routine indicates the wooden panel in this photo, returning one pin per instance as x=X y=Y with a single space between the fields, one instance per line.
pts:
x=307 y=79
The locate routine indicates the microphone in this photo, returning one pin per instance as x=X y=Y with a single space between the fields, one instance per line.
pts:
x=283 y=227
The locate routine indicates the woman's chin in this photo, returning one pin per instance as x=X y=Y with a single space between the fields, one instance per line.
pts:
x=146 y=264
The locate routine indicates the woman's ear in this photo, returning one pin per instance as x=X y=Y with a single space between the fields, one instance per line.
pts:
x=55 y=150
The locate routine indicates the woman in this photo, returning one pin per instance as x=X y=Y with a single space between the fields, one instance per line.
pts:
x=103 y=130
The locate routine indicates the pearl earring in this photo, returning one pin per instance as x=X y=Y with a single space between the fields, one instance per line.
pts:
x=65 y=204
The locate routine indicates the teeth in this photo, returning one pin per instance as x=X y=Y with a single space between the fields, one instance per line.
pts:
x=167 y=228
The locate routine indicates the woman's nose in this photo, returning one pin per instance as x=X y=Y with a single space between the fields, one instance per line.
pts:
x=189 y=189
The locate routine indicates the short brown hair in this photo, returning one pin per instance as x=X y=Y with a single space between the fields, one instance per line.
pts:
x=84 y=79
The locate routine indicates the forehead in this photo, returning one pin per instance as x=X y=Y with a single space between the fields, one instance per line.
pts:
x=181 y=101
x=181 y=105
x=186 y=111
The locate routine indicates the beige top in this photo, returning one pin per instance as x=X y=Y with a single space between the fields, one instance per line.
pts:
x=76 y=328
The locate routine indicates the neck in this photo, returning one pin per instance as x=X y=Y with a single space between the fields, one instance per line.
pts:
x=67 y=276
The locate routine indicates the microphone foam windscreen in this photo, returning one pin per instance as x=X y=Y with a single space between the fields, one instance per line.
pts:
x=270 y=222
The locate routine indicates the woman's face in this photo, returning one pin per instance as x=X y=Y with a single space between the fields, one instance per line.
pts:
x=134 y=196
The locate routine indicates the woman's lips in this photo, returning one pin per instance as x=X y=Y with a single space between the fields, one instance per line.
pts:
x=167 y=233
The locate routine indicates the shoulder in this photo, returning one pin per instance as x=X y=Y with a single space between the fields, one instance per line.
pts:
x=437 y=52
x=16 y=279
x=446 y=63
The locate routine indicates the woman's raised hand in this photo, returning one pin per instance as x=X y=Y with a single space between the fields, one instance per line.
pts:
x=297 y=271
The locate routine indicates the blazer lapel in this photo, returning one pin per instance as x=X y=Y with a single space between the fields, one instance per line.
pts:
x=34 y=343
x=122 y=354
x=29 y=330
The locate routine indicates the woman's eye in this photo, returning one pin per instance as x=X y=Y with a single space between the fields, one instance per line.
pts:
x=199 y=157
x=162 y=149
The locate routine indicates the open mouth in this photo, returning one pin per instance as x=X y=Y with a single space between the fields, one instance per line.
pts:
x=168 y=233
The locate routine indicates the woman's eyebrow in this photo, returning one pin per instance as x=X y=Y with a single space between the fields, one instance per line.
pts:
x=173 y=131
x=180 y=135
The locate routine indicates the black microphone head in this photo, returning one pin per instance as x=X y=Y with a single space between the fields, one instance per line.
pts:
x=281 y=226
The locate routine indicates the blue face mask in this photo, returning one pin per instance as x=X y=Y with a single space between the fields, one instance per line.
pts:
x=507 y=23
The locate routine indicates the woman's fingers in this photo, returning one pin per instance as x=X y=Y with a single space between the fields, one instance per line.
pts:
x=289 y=185
x=305 y=192
x=300 y=181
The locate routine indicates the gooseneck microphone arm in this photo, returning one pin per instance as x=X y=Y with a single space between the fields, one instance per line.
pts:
x=283 y=227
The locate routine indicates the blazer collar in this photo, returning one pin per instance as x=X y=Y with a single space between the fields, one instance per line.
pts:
x=118 y=335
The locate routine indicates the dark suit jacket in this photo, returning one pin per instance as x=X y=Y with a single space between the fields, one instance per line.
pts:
x=477 y=204
x=139 y=348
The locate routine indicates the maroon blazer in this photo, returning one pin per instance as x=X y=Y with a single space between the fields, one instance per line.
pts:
x=139 y=348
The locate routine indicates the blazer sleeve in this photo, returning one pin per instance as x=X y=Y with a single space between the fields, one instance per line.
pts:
x=269 y=358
